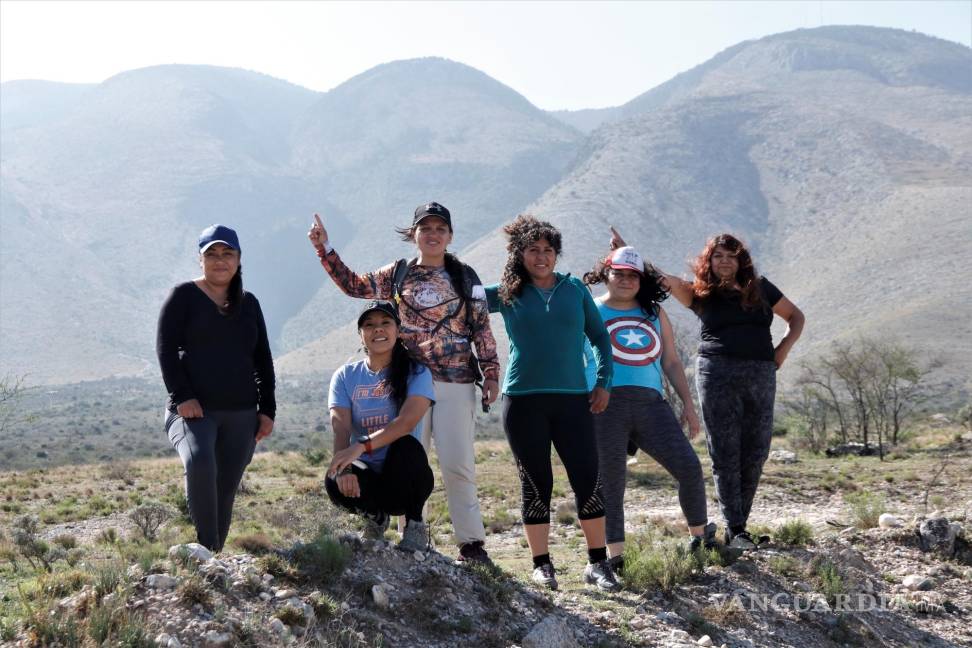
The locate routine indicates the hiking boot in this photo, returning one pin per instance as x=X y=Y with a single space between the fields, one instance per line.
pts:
x=544 y=576
x=415 y=537
x=705 y=541
x=375 y=526
x=473 y=552
x=741 y=541
x=601 y=575
x=617 y=565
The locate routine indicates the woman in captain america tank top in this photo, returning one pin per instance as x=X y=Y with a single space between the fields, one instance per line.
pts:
x=643 y=346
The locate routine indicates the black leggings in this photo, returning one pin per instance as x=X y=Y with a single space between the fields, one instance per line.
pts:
x=532 y=422
x=401 y=488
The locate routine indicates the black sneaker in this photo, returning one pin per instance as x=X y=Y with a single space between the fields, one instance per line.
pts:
x=602 y=576
x=707 y=540
x=473 y=552
x=617 y=565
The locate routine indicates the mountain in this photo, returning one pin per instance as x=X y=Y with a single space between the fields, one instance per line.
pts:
x=102 y=198
x=842 y=155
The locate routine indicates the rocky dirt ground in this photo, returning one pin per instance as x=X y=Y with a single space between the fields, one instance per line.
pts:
x=848 y=586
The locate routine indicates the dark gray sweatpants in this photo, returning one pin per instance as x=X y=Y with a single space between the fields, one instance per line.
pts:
x=737 y=406
x=641 y=414
x=215 y=450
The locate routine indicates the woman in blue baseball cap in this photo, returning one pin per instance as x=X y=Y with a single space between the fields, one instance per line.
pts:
x=216 y=364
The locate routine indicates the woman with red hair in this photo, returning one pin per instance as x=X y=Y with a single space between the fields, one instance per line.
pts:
x=736 y=368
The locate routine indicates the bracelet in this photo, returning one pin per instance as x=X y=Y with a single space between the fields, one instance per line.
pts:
x=366 y=442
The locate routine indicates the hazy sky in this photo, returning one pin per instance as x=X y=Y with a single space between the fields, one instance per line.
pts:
x=558 y=54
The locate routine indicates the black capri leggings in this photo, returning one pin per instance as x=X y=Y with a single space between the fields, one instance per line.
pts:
x=532 y=422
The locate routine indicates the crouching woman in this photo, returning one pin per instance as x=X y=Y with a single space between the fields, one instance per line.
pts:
x=379 y=467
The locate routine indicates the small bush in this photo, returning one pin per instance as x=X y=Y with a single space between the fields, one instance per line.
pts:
x=829 y=580
x=796 y=533
x=291 y=616
x=254 y=543
x=566 y=513
x=865 y=508
x=276 y=566
x=321 y=559
x=66 y=540
x=195 y=591
x=65 y=583
x=107 y=579
x=325 y=607
x=317 y=456
x=48 y=629
x=784 y=566
x=650 y=563
x=502 y=520
x=108 y=536
x=149 y=517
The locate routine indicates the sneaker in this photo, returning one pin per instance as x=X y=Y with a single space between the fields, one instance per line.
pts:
x=473 y=552
x=617 y=565
x=742 y=541
x=415 y=537
x=707 y=540
x=601 y=575
x=375 y=526
x=544 y=576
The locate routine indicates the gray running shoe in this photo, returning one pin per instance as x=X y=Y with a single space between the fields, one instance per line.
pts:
x=743 y=541
x=415 y=537
x=375 y=526
x=544 y=576
x=601 y=575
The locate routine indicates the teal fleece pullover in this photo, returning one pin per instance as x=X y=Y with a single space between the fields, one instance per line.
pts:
x=547 y=338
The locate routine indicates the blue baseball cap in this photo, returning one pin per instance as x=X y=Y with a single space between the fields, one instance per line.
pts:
x=218 y=234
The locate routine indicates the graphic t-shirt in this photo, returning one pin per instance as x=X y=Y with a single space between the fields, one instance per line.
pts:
x=636 y=347
x=363 y=391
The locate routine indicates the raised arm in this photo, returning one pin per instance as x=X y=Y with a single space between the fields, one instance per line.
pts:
x=371 y=285
x=681 y=290
x=675 y=372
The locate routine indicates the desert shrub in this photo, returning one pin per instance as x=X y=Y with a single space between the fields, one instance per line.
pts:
x=66 y=540
x=865 y=508
x=254 y=543
x=291 y=616
x=321 y=559
x=195 y=591
x=108 y=536
x=325 y=607
x=108 y=577
x=566 y=513
x=149 y=517
x=53 y=629
x=651 y=562
x=65 y=583
x=275 y=565
x=796 y=533
x=502 y=520
x=829 y=580
x=24 y=532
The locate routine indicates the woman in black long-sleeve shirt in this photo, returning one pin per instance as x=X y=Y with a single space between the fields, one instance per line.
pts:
x=215 y=358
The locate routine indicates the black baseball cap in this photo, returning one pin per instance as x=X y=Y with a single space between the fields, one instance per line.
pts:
x=379 y=305
x=432 y=209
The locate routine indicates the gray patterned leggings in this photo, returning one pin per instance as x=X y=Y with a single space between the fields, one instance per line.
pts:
x=737 y=406
x=641 y=414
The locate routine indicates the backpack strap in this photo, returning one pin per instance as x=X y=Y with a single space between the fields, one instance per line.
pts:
x=398 y=278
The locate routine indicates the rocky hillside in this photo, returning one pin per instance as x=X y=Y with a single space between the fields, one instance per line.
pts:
x=115 y=184
x=843 y=156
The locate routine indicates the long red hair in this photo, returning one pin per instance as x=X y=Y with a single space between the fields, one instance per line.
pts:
x=706 y=281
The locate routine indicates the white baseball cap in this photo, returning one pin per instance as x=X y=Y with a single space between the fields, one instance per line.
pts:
x=626 y=258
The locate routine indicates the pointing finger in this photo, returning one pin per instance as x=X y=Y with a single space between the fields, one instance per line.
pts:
x=318 y=219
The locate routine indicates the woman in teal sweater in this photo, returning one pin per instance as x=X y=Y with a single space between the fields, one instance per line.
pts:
x=545 y=396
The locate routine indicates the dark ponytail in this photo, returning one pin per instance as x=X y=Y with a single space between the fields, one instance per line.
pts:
x=234 y=294
x=402 y=366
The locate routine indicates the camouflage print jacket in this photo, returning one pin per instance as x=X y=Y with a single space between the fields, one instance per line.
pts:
x=434 y=323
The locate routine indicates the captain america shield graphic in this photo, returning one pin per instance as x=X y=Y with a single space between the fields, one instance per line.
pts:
x=635 y=341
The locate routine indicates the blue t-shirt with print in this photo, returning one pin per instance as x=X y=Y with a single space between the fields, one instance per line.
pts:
x=356 y=387
x=636 y=347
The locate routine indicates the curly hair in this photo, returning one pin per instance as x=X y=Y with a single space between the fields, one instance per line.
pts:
x=650 y=292
x=524 y=231
x=706 y=282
